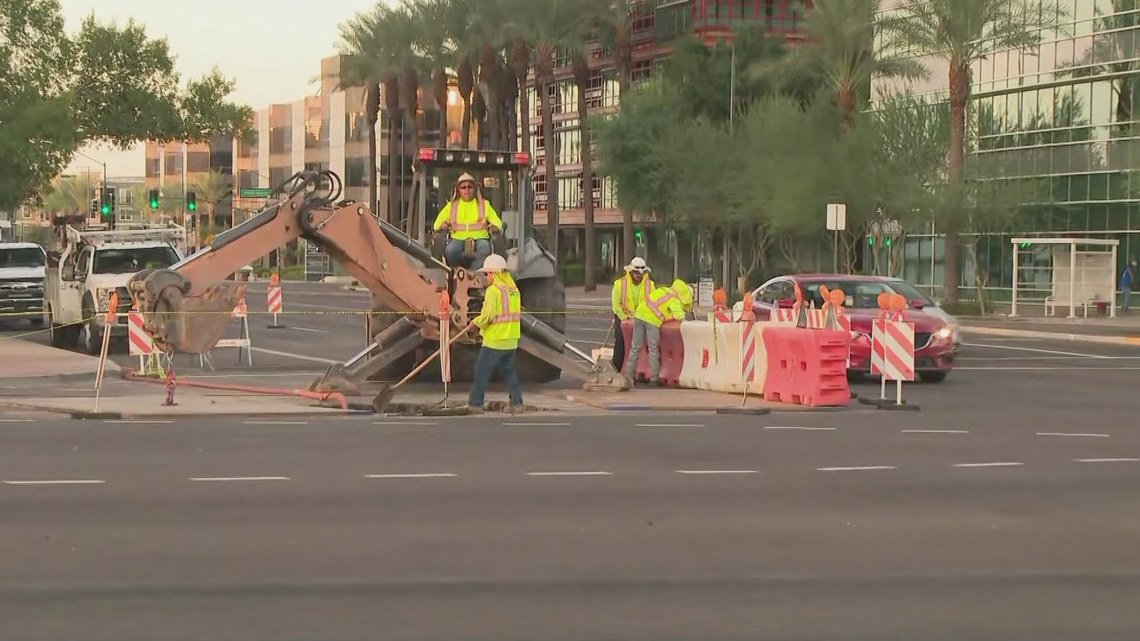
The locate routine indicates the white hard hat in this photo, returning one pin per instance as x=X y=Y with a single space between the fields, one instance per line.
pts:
x=466 y=178
x=494 y=263
x=637 y=265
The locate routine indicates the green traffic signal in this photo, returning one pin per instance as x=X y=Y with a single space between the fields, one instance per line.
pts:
x=191 y=201
x=870 y=241
x=154 y=199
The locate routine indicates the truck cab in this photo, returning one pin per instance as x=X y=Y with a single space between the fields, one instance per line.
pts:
x=93 y=266
x=22 y=274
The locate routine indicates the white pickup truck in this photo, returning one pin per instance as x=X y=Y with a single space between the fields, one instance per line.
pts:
x=94 y=264
x=22 y=281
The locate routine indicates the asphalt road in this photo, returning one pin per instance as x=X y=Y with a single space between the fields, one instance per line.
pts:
x=1004 y=509
x=822 y=526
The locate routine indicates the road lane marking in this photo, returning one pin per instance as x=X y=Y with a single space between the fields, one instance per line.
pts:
x=595 y=473
x=669 y=425
x=1071 y=434
x=1035 y=350
x=994 y=464
x=936 y=431
x=426 y=475
x=404 y=423
x=306 y=329
x=803 y=429
x=275 y=422
x=137 y=422
x=856 y=468
x=538 y=424
x=300 y=357
x=1107 y=460
x=17 y=420
x=239 y=478
x=718 y=471
x=58 y=482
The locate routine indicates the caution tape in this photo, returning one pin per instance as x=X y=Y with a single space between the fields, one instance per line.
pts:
x=346 y=312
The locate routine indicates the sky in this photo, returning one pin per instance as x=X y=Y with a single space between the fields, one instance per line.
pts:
x=271 y=48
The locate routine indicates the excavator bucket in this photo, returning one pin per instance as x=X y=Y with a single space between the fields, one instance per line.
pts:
x=179 y=323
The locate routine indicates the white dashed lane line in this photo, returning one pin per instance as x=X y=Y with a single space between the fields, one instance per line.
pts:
x=857 y=468
x=593 y=473
x=718 y=472
x=275 y=422
x=1071 y=434
x=669 y=425
x=994 y=464
x=538 y=424
x=228 y=479
x=58 y=482
x=801 y=429
x=1107 y=460
x=138 y=422
x=17 y=420
x=429 y=423
x=425 y=475
x=936 y=431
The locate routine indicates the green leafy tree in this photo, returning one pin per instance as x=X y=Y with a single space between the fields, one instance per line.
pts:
x=69 y=195
x=213 y=189
x=105 y=84
x=963 y=32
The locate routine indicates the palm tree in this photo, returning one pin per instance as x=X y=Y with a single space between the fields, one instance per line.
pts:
x=436 y=48
x=367 y=64
x=212 y=190
x=963 y=32
x=70 y=195
x=615 y=23
x=840 y=51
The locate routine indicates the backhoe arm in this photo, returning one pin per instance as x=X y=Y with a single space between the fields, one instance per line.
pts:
x=188 y=306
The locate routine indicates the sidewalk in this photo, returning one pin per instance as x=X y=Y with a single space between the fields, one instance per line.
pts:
x=1122 y=330
x=25 y=359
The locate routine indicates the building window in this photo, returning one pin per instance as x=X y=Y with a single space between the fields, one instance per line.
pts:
x=153 y=165
x=198 y=162
x=280 y=140
x=540 y=192
x=356 y=172
x=356 y=127
x=173 y=162
x=278 y=175
x=247 y=178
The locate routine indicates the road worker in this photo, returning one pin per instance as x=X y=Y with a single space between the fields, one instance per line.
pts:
x=662 y=305
x=499 y=325
x=469 y=218
x=628 y=292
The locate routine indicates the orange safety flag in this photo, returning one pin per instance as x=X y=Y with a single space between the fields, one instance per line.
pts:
x=113 y=308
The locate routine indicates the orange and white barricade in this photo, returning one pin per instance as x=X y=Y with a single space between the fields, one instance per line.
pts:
x=240 y=313
x=140 y=343
x=892 y=351
x=275 y=300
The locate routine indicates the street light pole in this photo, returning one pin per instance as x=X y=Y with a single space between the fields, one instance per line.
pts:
x=104 y=164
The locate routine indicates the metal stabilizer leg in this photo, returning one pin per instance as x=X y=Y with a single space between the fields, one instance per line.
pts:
x=598 y=376
x=390 y=344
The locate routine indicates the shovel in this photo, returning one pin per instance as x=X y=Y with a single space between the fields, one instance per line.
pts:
x=384 y=396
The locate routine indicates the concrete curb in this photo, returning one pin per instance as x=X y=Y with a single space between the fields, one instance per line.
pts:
x=1026 y=333
x=144 y=414
x=67 y=378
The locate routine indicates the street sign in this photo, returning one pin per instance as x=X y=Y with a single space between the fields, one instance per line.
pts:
x=836 y=217
x=254 y=192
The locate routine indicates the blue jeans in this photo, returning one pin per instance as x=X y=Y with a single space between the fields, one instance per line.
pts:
x=454 y=250
x=1126 y=297
x=485 y=365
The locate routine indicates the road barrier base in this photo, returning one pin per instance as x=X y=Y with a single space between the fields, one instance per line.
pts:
x=895 y=407
x=745 y=411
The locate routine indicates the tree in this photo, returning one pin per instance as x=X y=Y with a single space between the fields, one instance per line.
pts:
x=436 y=48
x=70 y=195
x=106 y=84
x=212 y=190
x=615 y=28
x=963 y=32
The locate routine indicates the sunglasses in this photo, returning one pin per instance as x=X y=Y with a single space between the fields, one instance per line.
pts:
x=467 y=186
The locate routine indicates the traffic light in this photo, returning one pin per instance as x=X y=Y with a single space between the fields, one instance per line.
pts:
x=639 y=236
x=888 y=241
x=154 y=199
x=870 y=241
x=191 y=201
x=94 y=210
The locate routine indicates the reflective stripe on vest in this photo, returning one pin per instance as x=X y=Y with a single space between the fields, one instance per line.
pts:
x=625 y=292
x=479 y=223
x=655 y=306
x=505 y=314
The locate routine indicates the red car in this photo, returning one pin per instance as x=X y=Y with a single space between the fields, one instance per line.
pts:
x=933 y=337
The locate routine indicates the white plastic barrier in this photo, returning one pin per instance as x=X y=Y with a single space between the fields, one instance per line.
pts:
x=735 y=362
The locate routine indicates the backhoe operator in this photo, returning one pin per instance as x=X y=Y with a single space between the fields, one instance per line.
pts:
x=469 y=218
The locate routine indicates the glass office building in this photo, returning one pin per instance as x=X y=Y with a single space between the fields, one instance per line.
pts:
x=1064 y=113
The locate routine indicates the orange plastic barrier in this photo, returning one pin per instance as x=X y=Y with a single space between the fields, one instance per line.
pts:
x=807 y=366
x=672 y=353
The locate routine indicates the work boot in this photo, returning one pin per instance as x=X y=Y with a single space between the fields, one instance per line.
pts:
x=514 y=409
x=471 y=409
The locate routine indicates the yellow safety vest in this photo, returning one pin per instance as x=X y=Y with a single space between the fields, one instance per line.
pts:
x=626 y=296
x=663 y=304
x=503 y=328
x=468 y=218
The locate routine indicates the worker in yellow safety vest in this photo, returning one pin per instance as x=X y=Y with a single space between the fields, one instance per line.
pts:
x=467 y=217
x=499 y=324
x=628 y=292
x=662 y=305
